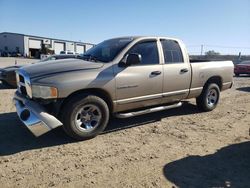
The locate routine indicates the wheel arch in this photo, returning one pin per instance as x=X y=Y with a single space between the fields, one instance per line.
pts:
x=93 y=91
x=202 y=99
x=214 y=79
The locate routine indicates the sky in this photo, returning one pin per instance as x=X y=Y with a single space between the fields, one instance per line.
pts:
x=220 y=25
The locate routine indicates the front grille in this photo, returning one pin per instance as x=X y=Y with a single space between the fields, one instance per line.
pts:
x=24 y=86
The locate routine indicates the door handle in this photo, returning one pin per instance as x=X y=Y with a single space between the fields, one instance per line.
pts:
x=156 y=73
x=183 y=70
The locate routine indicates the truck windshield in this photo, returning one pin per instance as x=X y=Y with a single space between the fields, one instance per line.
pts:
x=107 y=50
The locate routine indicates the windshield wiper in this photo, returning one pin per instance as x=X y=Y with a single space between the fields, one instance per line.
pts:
x=89 y=57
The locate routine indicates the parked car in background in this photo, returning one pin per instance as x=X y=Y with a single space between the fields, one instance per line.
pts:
x=242 y=68
x=8 y=75
x=68 y=52
x=10 y=54
x=57 y=57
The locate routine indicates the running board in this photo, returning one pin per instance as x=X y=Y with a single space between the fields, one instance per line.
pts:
x=150 y=110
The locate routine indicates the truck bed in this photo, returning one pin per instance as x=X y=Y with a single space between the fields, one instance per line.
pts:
x=203 y=70
x=202 y=60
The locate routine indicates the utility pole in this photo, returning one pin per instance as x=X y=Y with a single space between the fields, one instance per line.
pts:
x=239 y=57
x=202 y=49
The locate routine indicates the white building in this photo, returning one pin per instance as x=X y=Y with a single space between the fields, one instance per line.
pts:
x=29 y=45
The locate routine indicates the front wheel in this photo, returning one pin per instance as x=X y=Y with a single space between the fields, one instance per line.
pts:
x=209 y=97
x=85 y=117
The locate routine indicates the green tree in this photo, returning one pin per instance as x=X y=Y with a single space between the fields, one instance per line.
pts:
x=212 y=53
x=45 y=50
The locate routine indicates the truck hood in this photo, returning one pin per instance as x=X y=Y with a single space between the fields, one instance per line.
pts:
x=59 y=66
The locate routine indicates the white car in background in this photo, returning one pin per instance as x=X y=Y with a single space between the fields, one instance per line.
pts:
x=8 y=74
x=69 y=52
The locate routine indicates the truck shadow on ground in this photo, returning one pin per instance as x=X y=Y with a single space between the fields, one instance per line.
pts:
x=245 y=89
x=15 y=137
x=228 y=167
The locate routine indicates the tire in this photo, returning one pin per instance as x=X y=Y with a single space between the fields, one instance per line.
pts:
x=237 y=75
x=209 y=97
x=85 y=116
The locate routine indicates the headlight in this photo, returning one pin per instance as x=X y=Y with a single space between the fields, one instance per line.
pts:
x=44 y=92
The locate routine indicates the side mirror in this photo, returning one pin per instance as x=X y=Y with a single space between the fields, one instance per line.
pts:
x=133 y=59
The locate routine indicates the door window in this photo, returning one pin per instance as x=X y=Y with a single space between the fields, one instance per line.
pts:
x=172 y=51
x=148 y=51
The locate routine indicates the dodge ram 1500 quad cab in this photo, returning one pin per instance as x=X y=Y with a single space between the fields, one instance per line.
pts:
x=125 y=77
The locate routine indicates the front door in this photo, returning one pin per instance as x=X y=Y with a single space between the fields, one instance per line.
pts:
x=140 y=85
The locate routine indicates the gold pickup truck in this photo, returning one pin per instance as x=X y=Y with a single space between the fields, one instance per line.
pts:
x=125 y=77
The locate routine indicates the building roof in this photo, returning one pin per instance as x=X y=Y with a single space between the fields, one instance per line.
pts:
x=46 y=38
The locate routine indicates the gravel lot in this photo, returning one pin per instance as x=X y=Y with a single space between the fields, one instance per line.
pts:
x=179 y=147
x=9 y=61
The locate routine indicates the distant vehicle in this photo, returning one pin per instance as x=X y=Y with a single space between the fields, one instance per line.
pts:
x=124 y=77
x=8 y=74
x=242 y=68
x=68 y=52
x=57 y=57
x=10 y=54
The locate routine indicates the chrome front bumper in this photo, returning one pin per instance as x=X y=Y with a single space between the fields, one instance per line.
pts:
x=34 y=116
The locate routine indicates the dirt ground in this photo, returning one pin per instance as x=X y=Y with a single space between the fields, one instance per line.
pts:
x=175 y=148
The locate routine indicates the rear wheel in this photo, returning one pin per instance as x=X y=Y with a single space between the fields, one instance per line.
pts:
x=85 y=117
x=209 y=97
x=237 y=75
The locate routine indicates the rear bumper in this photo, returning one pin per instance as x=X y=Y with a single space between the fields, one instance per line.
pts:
x=34 y=116
x=241 y=71
x=226 y=85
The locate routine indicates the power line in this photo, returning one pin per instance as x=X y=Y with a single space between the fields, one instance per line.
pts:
x=193 y=45
x=218 y=46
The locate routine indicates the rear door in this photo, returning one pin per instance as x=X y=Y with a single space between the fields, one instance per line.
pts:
x=140 y=85
x=177 y=72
